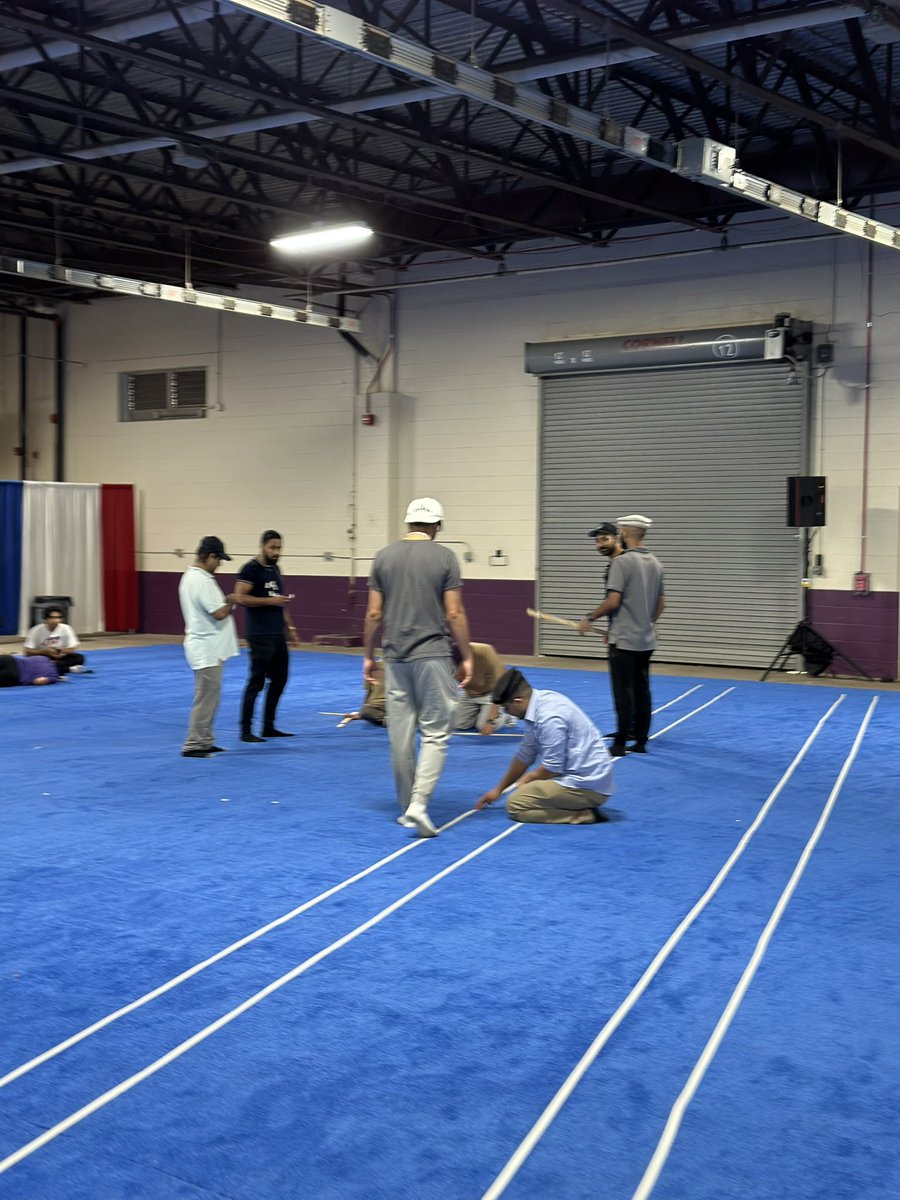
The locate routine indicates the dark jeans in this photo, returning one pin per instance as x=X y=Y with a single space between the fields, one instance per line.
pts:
x=268 y=660
x=629 y=676
x=69 y=660
x=9 y=671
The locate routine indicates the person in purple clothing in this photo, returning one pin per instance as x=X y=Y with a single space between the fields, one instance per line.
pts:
x=19 y=668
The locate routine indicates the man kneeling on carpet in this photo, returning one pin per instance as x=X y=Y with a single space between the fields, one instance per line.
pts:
x=574 y=775
x=21 y=668
x=476 y=709
x=374 y=704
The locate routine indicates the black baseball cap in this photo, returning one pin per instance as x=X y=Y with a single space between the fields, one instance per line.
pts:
x=510 y=684
x=606 y=527
x=212 y=545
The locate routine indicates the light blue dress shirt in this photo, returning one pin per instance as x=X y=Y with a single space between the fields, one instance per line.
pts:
x=566 y=742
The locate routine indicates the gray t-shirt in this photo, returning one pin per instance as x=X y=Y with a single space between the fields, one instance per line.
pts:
x=639 y=578
x=412 y=576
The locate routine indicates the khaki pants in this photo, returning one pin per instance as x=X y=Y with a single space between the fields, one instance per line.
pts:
x=207 y=690
x=546 y=802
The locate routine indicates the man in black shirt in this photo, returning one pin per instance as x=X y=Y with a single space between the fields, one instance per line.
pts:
x=268 y=629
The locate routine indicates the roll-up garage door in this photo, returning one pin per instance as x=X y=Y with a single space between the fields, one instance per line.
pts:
x=703 y=451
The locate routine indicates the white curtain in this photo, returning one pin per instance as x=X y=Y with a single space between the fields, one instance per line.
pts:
x=61 y=551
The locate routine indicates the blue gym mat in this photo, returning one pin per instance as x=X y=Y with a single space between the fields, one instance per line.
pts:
x=435 y=1005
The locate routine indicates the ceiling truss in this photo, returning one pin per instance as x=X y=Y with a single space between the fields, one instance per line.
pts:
x=170 y=140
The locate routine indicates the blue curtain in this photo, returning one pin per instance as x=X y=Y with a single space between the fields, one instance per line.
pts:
x=10 y=555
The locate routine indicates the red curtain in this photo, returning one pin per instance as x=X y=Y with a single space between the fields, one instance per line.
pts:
x=120 y=590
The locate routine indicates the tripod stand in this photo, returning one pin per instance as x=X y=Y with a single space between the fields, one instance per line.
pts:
x=817 y=653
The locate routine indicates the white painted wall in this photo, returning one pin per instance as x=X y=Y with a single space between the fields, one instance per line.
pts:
x=40 y=373
x=273 y=451
x=286 y=448
x=10 y=463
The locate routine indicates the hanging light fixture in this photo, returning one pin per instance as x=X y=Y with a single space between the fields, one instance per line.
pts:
x=330 y=237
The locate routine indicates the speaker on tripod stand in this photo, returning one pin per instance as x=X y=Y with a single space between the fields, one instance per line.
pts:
x=806 y=510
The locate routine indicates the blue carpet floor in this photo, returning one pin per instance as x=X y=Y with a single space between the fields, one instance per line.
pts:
x=412 y=1059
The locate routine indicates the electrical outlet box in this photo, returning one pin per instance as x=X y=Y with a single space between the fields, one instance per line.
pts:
x=498 y=559
x=825 y=354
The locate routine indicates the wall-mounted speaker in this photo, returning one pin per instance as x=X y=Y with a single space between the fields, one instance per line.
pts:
x=805 y=501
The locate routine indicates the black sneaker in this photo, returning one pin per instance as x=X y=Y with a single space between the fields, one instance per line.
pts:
x=251 y=737
x=637 y=748
x=617 y=750
x=195 y=754
x=273 y=732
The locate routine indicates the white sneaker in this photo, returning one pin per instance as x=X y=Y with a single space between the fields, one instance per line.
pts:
x=418 y=817
x=76 y=670
x=406 y=822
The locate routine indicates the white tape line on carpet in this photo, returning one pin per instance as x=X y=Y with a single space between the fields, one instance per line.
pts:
x=537 y=1131
x=676 y=1114
x=176 y=1052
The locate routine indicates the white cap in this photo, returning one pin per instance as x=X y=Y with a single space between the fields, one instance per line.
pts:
x=635 y=520
x=425 y=511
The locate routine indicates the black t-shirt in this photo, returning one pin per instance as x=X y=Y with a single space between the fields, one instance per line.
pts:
x=264 y=581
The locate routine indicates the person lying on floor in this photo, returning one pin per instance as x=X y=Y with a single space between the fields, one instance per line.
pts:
x=21 y=668
x=574 y=775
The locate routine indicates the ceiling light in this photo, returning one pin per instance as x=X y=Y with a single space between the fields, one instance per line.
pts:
x=332 y=237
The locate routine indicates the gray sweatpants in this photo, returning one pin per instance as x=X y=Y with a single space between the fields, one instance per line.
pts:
x=207 y=691
x=420 y=695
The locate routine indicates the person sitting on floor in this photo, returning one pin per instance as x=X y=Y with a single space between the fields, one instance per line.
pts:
x=476 y=708
x=574 y=775
x=21 y=668
x=55 y=640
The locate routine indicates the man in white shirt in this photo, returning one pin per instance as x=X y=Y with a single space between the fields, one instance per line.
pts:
x=209 y=638
x=57 y=641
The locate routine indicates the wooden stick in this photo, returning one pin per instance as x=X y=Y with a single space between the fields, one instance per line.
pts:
x=542 y=616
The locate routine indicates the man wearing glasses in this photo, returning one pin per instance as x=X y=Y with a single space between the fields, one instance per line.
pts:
x=209 y=638
x=574 y=772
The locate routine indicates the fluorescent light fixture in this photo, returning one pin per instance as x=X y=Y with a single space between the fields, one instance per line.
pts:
x=333 y=237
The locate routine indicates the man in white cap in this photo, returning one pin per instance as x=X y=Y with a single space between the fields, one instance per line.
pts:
x=634 y=600
x=415 y=606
